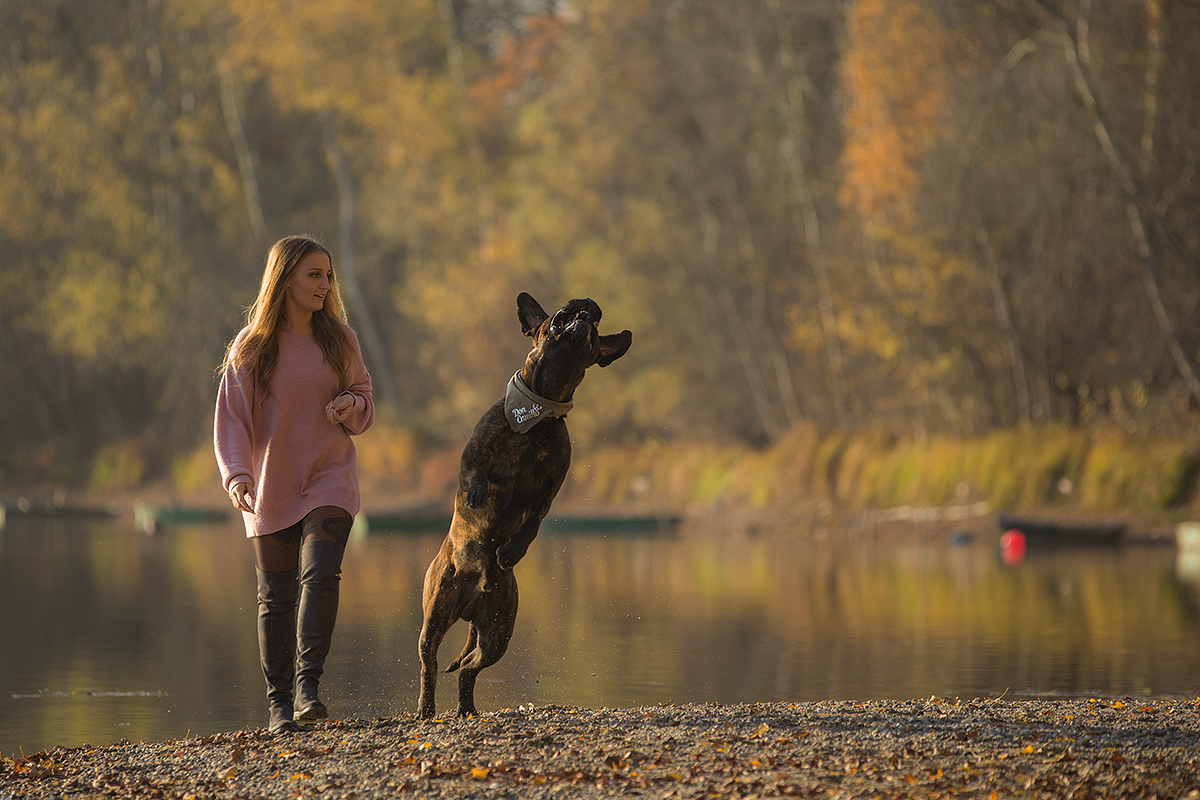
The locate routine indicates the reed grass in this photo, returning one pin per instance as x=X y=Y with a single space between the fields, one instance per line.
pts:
x=1092 y=470
x=1095 y=470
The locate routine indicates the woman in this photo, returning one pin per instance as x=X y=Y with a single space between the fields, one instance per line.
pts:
x=293 y=391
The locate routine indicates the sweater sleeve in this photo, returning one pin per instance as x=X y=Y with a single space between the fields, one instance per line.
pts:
x=362 y=416
x=232 y=428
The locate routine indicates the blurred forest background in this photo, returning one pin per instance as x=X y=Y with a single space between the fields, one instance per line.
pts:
x=933 y=220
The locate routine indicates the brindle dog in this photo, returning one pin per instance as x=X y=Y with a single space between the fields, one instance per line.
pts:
x=506 y=482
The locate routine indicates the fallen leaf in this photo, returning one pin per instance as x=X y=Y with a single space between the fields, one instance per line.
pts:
x=480 y=773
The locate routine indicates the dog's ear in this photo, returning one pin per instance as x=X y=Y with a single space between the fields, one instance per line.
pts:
x=613 y=347
x=529 y=313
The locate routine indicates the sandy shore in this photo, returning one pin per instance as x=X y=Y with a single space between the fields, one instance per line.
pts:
x=918 y=748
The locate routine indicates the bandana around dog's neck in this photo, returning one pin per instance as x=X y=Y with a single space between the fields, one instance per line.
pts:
x=523 y=409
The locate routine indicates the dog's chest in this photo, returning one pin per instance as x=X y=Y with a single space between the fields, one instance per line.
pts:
x=539 y=458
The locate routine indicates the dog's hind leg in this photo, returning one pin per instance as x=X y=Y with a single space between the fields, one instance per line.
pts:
x=432 y=633
x=438 y=602
x=494 y=628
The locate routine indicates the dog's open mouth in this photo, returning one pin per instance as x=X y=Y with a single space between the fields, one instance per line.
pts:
x=573 y=320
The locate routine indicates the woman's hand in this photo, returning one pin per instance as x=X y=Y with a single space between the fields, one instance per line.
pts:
x=242 y=497
x=339 y=408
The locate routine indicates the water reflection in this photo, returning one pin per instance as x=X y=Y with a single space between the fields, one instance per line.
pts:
x=108 y=634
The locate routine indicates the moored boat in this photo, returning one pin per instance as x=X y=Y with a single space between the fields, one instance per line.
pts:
x=1048 y=531
x=23 y=508
x=151 y=519
x=435 y=521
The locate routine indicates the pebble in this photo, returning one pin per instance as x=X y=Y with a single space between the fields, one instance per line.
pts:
x=1099 y=747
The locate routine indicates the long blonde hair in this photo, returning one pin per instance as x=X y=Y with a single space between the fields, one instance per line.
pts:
x=259 y=350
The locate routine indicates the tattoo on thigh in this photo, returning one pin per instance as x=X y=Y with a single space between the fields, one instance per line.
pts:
x=337 y=527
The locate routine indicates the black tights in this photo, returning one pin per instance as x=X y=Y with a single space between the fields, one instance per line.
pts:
x=280 y=551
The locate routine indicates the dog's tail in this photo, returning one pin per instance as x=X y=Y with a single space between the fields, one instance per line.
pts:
x=472 y=638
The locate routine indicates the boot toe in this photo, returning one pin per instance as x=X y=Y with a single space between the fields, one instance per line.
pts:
x=313 y=712
x=282 y=722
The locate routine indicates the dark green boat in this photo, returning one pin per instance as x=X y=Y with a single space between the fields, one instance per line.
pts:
x=1043 y=531
x=565 y=525
x=151 y=519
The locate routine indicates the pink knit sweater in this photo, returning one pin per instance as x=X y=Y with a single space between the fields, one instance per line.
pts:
x=285 y=447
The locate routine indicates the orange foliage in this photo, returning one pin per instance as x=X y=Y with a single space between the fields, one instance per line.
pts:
x=519 y=62
x=894 y=73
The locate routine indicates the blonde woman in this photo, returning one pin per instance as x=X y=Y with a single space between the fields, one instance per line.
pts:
x=293 y=391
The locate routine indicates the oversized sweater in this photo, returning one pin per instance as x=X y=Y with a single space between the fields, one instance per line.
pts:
x=284 y=446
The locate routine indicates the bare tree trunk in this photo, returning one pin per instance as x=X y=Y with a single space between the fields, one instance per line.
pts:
x=737 y=327
x=171 y=220
x=767 y=337
x=1076 y=53
x=904 y=344
x=704 y=337
x=1004 y=320
x=792 y=117
x=485 y=199
x=384 y=386
x=749 y=356
x=975 y=127
x=1150 y=82
x=231 y=109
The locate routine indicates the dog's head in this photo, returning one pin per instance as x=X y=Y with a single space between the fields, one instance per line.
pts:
x=565 y=345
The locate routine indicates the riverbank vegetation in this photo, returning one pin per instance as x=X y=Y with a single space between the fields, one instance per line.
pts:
x=1091 y=471
x=1074 y=471
x=871 y=253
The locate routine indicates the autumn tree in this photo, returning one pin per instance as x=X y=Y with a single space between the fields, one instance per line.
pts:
x=922 y=216
x=112 y=185
x=1066 y=175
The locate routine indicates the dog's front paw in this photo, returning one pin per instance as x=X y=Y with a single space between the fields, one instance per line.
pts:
x=509 y=553
x=477 y=495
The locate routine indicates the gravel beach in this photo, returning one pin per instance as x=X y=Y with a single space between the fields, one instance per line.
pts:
x=1129 y=747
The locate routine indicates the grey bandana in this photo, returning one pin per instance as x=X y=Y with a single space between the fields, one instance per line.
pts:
x=523 y=409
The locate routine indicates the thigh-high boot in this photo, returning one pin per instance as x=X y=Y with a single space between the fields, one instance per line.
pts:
x=320 y=574
x=277 y=593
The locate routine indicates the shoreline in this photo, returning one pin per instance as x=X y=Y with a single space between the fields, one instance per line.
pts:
x=736 y=520
x=937 y=747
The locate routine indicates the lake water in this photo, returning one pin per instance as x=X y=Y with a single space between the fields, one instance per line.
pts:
x=106 y=634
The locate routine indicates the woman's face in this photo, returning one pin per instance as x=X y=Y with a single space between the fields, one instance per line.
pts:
x=309 y=283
